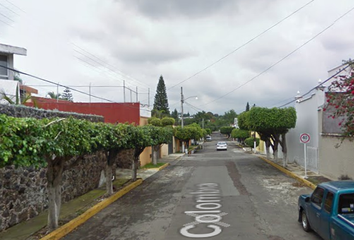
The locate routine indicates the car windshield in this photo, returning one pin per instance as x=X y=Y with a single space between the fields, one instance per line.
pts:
x=221 y=143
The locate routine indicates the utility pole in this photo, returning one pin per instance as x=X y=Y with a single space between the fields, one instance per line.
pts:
x=182 y=101
x=123 y=90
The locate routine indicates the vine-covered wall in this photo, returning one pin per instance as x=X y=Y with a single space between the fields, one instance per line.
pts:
x=23 y=191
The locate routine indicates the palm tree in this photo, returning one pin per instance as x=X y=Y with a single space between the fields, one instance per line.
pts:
x=18 y=100
x=53 y=95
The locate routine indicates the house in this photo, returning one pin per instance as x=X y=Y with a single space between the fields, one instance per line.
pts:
x=7 y=53
x=326 y=153
x=14 y=90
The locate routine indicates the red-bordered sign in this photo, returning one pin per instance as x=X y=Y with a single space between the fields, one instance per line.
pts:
x=305 y=138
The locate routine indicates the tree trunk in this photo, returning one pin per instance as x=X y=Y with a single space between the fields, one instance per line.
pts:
x=135 y=168
x=276 y=146
x=135 y=162
x=109 y=185
x=284 y=149
x=155 y=152
x=54 y=175
x=111 y=156
x=267 y=142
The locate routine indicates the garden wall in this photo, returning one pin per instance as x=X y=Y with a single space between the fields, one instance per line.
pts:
x=23 y=191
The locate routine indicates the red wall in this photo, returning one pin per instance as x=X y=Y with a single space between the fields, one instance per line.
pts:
x=112 y=112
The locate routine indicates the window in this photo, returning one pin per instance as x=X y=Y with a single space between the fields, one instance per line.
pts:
x=317 y=196
x=346 y=203
x=328 y=202
x=3 y=62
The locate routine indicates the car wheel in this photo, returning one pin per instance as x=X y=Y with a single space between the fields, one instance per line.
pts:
x=305 y=222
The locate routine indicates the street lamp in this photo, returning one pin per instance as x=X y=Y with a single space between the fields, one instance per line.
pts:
x=182 y=101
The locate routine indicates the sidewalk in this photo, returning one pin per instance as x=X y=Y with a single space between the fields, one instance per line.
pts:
x=80 y=209
x=293 y=170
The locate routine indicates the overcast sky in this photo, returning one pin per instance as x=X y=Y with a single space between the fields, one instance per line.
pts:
x=226 y=52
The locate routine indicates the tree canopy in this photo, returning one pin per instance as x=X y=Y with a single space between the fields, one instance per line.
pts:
x=67 y=95
x=226 y=130
x=53 y=142
x=271 y=124
x=340 y=101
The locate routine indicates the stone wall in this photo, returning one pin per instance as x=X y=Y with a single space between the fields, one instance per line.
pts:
x=23 y=191
x=125 y=159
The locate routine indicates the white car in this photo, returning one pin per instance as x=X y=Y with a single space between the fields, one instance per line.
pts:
x=221 y=146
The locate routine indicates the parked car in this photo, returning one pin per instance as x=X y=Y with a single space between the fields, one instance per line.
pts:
x=329 y=210
x=208 y=138
x=221 y=146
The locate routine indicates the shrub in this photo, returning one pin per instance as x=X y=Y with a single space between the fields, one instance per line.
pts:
x=167 y=121
x=155 y=121
x=249 y=142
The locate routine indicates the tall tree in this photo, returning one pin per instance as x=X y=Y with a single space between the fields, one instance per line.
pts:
x=161 y=101
x=247 y=107
x=230 y=116
x=67 y=95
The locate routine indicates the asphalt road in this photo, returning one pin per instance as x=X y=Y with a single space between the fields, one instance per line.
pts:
x=211 y=194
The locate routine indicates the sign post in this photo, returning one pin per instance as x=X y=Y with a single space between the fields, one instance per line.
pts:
x=305 y=138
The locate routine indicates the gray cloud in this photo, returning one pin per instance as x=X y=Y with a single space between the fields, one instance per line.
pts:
x=172 y=8
x=149 y=54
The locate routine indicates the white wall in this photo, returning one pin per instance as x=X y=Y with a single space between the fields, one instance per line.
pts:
x=306 y=122
x=9 y=88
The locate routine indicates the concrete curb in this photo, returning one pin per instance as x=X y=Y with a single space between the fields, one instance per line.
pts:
x=289 y=173
x=162 y=167
x=70 y=226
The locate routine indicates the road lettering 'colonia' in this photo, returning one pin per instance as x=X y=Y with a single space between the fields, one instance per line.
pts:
x=208 y=202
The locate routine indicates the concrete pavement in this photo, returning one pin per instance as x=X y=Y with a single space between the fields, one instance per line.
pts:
x=92 y=202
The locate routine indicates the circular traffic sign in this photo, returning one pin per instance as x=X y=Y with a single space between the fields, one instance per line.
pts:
x=305 y=138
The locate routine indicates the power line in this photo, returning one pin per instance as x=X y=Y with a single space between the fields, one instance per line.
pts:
x=243 y=45
x=9 y=9
x=315 y=87
x=60 y=85
x=6 y=17
x=6 y=23
x=196 y=108
x=105 y=63
x=102 y=63
x=283 y=58
x=15 y=6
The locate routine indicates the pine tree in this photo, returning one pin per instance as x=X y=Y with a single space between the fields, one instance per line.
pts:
x=161 y=101
x=247 y=107
x=67 y=95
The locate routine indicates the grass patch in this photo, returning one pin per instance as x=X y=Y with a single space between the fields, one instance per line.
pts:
x=150 y=165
